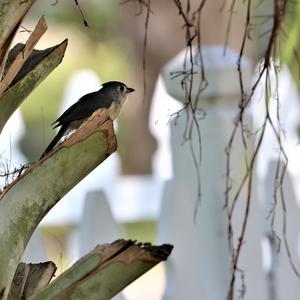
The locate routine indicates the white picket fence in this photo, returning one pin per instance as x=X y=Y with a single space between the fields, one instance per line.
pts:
x=199 y=267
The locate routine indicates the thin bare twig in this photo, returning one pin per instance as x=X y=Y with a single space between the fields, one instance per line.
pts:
x=81 y=13
x=244 y=102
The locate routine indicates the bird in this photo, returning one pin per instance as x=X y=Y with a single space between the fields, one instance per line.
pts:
x=111 y=95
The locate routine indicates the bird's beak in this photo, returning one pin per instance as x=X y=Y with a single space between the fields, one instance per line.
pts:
x=129 y=90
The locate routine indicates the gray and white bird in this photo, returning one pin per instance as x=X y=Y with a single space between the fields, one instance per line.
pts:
x=111 y=96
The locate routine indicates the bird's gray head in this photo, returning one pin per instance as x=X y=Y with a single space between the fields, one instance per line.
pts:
x=117 y=89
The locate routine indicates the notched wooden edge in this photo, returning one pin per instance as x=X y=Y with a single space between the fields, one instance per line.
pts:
x=128 y=251
x=98 y=122
x=124 y=251
x=120 y=251
x=143 y=252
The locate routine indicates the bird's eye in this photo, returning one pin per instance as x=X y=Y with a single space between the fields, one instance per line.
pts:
x=122 y=88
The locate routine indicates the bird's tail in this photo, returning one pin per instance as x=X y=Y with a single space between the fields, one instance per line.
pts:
x=54 y=142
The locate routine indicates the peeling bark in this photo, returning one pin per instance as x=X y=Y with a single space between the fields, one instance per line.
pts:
x=105 y=271
x=30 y=279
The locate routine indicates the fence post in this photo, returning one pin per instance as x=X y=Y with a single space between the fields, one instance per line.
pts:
x=282 y=280
x=200 y=264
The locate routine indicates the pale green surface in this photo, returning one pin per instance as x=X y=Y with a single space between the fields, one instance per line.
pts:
x=31 y=198
x=100 y=285
x=69 y=277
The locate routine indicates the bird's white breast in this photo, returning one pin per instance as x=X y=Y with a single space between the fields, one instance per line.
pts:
x=115 y=108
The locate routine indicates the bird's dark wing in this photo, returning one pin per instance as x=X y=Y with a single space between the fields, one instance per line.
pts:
x=54 y=142
x=84 y=108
